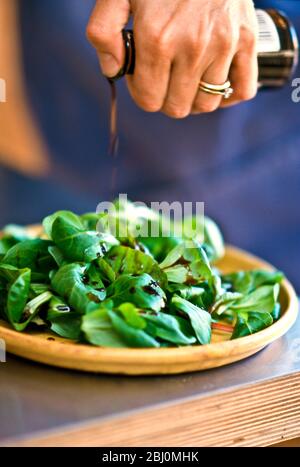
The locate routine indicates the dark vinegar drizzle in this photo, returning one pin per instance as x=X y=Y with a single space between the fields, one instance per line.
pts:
x=114 y=138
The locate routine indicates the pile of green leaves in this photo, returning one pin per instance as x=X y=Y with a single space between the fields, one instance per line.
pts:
x=116 y=291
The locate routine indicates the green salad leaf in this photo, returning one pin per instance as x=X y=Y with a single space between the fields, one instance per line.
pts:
x=68 y=217
x=125 y=260
x=251 y=322
x=247 y=281
x=143 y=291
x=31 y=310
x=169 y=328
x=187 y=263
x=132 y=335
x=69 y=283
x=33 y=254
x=63 y=321
x=200 y=319
x=130 y=278
x=263 y=299
x=17 y=283
x=98 y=329
x=75 y=243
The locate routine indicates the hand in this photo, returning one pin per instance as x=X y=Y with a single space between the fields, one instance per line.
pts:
x=178 y=43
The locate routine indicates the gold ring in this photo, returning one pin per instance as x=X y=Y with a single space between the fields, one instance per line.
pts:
x=224 y=90
x=216 y=87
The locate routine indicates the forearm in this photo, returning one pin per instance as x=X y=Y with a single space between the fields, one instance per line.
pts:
x=21 y=145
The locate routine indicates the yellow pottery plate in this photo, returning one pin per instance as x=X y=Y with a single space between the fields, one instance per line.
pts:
x=45 y=347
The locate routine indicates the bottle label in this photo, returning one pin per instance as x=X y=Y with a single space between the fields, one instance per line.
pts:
x=268 y=36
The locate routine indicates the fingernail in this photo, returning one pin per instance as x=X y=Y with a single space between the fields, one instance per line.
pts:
x=110 y=66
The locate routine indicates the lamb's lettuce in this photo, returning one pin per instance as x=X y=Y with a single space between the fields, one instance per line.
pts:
x=126 y=287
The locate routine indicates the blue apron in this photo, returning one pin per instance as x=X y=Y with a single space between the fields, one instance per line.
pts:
x=243 y=162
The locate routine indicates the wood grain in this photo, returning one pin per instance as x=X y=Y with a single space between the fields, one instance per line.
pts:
x=67 y=354
x=256 y=415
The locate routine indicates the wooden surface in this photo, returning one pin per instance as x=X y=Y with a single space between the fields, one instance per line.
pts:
x=254 y=402
x=251 y=416
x=64 y=353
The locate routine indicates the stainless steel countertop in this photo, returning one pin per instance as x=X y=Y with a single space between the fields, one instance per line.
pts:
x=37 y=398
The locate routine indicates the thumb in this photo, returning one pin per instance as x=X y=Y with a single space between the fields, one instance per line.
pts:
x=104 y=31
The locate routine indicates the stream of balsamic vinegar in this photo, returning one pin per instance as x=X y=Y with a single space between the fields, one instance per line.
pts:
x=114 y=139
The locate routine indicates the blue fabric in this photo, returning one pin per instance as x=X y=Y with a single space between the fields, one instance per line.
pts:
x=242 y=162
x=290 y=7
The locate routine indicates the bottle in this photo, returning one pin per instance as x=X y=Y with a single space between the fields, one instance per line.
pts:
x=278 y=49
